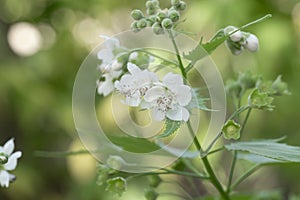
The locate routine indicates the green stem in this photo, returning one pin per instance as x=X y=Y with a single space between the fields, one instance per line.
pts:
x=257 y=21
x=244 y=176
x=177 y=54
x=245 y=120
x=231 y=172
x=214 y=180
x=154 y=55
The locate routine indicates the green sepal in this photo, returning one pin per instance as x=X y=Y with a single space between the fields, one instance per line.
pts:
x=170 y=127
x=116 y=185
x=231 y=130
x=260 y=100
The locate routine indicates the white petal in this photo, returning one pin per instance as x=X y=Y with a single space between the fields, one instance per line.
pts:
x=158 y=115
x=183 y=94
x=133 y=69
x=154 y=93
x=116 y=65
x=134 y=100
x=171 y=80
x=178 y=114
x=12 y=161
x=105 y=55
x=110 y=42
x=9 y=146
x=252 y=43
x=4 y=178
x=105 y=87
x=133 y=56
x=145 y=105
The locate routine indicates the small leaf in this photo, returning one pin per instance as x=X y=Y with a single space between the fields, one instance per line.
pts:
x=257 y=158
x=203 y=50
x=171 y=127
x=269 y=149
x=132 y=144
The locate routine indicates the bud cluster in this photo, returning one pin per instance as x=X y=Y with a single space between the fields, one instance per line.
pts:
x=157 y=18
x=239 y=40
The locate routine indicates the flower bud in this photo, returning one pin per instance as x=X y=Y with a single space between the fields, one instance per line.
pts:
x=175 y=2
x=235 y=48
x=157 y=29
x=134 y=27
x=115 y=162
x=233 y=88
x=151 y=20
x=161 y=16
x=150 y=194
x=154 y=180
x=235 y=37
x=182 y=5
x=167 y=23
x=116 y=185
x=247 y=80
x=280 y=87
x=173 y=15
x=142 y=23
x=137 y=14
x=252 y=43
x=260 y=100
x=150 y=4
x=231 y=130
x=151 y=11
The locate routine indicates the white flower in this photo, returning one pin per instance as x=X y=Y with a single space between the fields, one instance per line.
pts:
x=107 y=55
x=11 y=163
x=135 y=84
x=107 y=86
x=252 y=43
x=235 y=37
x=168 y=99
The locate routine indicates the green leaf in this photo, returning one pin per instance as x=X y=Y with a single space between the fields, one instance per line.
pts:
x=254 y=158
x=269 y=149
x=132 y=144
x=171 y=127
x=198 y=101
x=203 y=50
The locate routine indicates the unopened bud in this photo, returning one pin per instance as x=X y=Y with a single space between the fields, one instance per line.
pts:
x=142 y=23
x=175 y=2
x=235 y=37
x=182 y=5
x=167 y=23
x=157 y=29
x=231 y=130
x=252 y=43
x=137 y=14
x=173 y=15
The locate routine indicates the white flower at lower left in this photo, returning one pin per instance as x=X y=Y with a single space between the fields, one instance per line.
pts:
x=9 y=162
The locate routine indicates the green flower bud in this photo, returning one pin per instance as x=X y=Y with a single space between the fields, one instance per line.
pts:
x=137 y=14
x=260 y=100
x=156 y=3
x=116 y=185
x=231 y=130
x=175 y=2
x=150 y=194
x=167 y=23
x=233 y=88
x=115 y=162
x=182 y=5
x=150 y=4
x=247 y=80
x=157 y=29
x=142 y=23
x=280 y=88
x=134 y=27
x=173 y=15
x=161 y=16
x=154 y=180
x=151 y=11
x=151 y=20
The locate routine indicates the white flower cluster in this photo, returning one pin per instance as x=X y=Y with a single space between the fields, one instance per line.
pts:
x=240 y=40
x=112 y=60
x=166 y=99
x=10 y=163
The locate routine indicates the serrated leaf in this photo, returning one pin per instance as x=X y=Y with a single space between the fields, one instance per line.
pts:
x=198 y=101
x=171 y=127
x=269 y=149
x=132 y=144
x=203 y=50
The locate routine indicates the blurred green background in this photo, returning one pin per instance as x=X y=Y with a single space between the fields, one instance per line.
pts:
x=43 y=42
